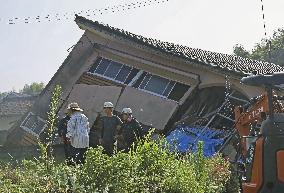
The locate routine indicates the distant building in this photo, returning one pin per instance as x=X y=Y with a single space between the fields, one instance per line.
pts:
x=12 y=108
x=162 y=82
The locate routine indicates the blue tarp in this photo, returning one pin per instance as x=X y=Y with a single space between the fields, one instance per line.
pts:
x=184 y=139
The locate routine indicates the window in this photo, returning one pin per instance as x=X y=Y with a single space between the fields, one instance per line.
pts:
x=145 y=81
x=155 y=84
x=114 y=70
x=178 y=91
x=33 y=124
x=161 y=86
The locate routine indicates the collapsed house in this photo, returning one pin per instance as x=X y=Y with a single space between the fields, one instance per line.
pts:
x=12 y=108
x=164 y=83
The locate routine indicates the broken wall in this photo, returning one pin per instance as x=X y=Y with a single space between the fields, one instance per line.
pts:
x=207 y=102
x=91 y=98
x=149 y=109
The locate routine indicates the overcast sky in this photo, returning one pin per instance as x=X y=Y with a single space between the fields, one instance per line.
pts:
x=33 y=52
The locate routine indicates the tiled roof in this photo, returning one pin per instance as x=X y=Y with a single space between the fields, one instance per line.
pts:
x=221 y=62
x=16 y=104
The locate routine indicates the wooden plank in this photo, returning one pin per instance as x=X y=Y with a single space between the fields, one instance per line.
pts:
x=25 y=142
x=30 y=139
x=92 y=79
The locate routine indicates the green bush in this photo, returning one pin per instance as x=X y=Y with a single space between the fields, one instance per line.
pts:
x=148 y=167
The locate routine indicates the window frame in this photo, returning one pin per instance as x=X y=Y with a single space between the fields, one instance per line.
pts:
x=29 y=130
x=175 y=82
x=157 y=94
x=151 y=76
x=136 y=78
x=109 y=78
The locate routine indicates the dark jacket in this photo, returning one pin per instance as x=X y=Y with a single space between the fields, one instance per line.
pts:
x=62 y=127
x=130 y=131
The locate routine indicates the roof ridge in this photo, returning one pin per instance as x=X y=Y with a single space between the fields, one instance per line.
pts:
x=221 y=61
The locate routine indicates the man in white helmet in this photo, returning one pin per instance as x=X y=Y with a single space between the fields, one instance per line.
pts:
x=130 y=130
x=110 y=124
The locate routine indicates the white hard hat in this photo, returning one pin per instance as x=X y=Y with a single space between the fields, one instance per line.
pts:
x=108 y=105
x=127 y=110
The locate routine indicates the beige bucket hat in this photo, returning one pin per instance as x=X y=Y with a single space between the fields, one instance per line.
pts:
x=74 y=106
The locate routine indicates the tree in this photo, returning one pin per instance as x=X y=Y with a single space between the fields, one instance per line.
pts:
x=261 y=50
x=2 y=95
x=239 y=50
x=33 y=89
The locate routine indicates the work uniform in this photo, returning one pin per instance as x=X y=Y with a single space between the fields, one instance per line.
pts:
x=129 y=132
x=109 y=129
x=62 y=130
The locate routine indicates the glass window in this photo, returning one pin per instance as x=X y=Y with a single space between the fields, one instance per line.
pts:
x=161 y=86
x=157 y=84
x=113 y=70
x=139 y=80
x=123 y=73
x=33 y=124
x=132 y=74
x=169 y=88
x=178 y=91
x=152 y=83
x=103 y=65
x=145 y=81
x=93 y=68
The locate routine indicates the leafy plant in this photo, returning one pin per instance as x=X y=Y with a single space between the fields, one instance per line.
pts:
x=33 y=88
x=268 y=49
x=46 y=145
x=149 y=167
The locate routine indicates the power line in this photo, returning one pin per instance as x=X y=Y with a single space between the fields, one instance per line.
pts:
x=268 y=42
x=87 y=13
x=263 y=19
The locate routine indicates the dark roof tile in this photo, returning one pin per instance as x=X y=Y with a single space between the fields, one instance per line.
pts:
x=16 y=105
x=230 y=63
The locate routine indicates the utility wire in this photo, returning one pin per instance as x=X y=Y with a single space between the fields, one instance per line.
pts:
x=268 y=42
x=263 y=18
x=87 y=13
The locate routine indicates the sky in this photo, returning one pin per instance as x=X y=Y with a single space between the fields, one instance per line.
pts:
x=33 y=52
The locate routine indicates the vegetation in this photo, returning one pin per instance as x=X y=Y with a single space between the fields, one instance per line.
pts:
x=46 y=145
x=33 y=89
x=2 y=95
x=261 y=50
x=29 y=89
x=149 y=168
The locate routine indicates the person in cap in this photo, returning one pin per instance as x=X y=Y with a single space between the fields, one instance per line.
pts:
x=77 y=133
x=110 y=124
x=130 y=130
x=62 y=131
